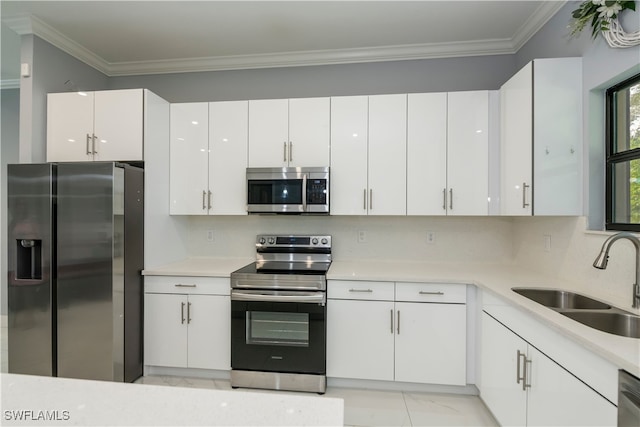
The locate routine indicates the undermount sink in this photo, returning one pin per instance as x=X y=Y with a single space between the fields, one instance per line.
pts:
x=588 y=311
x=559 y=299
x=613 y=322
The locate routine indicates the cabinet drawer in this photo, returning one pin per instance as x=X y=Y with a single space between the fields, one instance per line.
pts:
x=431 y=292
x=187 y=285
x=360 y=290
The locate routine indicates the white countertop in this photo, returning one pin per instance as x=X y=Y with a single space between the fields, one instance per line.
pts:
x=211 y=267
x=86 y=402
x=497 y=278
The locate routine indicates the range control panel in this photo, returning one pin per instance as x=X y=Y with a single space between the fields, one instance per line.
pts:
x=271 y=241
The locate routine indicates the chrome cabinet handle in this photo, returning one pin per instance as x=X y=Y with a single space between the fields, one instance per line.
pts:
x=451 y=198
x=398 y=322
x=95 y=151
x=209 y=199
x=391 y=313
x=364 y=199
x=182 y=312
x=180 y=285
x=526 y=381
x=88 y=151
x=284 y=151
x=204 y=205
x=370 y=199
x=290 y=151
x=188 y=313
x=360 y=290
x=444 y=199
x=524 y=195
x=518 y=375
x=430 y=293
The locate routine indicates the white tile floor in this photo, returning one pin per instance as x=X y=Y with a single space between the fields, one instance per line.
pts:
x=362 y=407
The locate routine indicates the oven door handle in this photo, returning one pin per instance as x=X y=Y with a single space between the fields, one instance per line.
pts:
x=267 y=296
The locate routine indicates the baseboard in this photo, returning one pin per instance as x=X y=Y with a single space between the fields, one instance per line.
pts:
x=469 y=389
x=187 y=372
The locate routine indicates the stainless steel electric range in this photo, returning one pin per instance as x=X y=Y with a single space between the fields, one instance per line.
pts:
x=278 y=315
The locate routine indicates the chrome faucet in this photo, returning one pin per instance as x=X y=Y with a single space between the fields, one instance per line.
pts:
x=603 y=257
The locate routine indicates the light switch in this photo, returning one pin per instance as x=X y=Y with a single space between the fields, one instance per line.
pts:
x=25 y=70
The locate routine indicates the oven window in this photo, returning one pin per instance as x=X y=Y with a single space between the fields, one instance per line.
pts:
x=278 y=328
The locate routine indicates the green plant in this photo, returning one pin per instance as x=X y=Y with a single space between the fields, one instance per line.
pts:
x=599 y=14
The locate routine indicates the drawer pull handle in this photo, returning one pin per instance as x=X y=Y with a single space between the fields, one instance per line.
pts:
x=430 y=293
x=180 y=285
x=360 y=290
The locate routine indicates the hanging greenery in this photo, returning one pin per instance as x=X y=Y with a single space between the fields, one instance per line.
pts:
x=602 y=15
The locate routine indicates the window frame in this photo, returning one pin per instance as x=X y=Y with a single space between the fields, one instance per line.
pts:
x=612 y=158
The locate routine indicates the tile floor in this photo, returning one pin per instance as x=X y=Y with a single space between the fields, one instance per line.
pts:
x=362 y=407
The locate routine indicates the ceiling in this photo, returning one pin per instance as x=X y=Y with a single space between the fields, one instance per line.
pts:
x=148 y=37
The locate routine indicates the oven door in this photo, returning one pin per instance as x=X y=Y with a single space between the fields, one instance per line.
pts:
x=275 y=331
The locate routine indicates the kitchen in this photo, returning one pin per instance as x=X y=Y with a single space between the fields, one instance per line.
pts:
x=469 y=240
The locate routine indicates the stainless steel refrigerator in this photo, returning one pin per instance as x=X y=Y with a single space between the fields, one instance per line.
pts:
x=75 y=256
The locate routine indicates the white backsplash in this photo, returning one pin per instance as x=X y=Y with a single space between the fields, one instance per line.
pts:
x=457 y=239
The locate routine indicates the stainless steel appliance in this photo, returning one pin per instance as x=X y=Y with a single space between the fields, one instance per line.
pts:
x=278 y=315
x=628 y=400
x=75 y=253
x=288 y=190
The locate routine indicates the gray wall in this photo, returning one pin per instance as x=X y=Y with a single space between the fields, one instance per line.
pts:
x=432 y=75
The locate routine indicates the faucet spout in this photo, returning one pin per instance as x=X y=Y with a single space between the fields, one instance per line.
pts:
x=603 y=257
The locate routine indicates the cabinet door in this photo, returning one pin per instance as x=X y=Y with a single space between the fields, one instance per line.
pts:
x=556 y=397
x=309 y=132
x=209 y=332
x=498 y=370
x=349 y=135
x=426 y=153
x=69 y=127
x=165 y=330
x=387 y=174
x=468 y=153
x=118 y=124
x=228 y=141
x=188 y=167
x=269 y=133
x=360 y=339
x=557 y=129
x=516 y=127
x=430 y=343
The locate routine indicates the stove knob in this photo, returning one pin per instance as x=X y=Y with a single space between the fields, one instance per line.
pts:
x=262 y=241
x=272 y=240
x=325 y=241
x=314 y=241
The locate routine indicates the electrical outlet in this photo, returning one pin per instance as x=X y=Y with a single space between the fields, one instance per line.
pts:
x=547 y=243
x=431 y=237
x=362 y=236
x=211 y=235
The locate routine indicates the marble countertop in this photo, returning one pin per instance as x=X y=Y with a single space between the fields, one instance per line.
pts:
x=496 y=278
x=35 y=400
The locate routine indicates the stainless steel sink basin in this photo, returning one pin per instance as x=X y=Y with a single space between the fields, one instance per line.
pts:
x=561 y=300
x=613 y=322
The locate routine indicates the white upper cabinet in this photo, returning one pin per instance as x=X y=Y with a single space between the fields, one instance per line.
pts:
x=541 y=139
x=427 y=154
x=208 y=158
x=387 y=154
x=349 y=137
x=368 y=155
x=468 y=153
x=95 y=126
x=291 y=132
x=447 y=153
x=189 y=159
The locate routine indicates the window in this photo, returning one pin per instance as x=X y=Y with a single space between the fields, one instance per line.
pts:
x=623 y=156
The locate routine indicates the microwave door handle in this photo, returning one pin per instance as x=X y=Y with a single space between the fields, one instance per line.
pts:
x=304 y=192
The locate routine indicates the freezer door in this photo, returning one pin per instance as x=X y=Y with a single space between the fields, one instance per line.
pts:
x=31 y=279
x=90 y=292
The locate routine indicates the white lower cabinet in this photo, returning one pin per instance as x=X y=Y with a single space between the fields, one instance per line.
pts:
x=187 y=322
x=372 y=334
x=522 y=386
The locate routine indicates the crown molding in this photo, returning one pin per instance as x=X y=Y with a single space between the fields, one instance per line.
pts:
x=29 y=24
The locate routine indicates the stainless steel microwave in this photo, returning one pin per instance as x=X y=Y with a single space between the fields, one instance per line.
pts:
x=288 y=190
